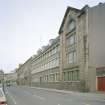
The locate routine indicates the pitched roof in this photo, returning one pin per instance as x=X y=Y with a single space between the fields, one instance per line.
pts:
x=67 y=11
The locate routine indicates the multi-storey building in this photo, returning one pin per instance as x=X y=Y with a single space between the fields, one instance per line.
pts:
x=79 y=33
x=24 y=73
x=45 y=65
x=70 y=60
x=10 y=78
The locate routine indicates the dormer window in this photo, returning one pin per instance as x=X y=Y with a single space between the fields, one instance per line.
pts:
x=71 y=25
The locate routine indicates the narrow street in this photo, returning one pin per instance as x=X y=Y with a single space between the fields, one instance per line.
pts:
x=32 y=96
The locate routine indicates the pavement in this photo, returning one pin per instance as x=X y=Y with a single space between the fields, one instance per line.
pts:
x=23 y=95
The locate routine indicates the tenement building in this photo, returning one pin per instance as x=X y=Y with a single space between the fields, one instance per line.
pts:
x=45 y=65
x=10 y=78
x=24 y=73
x=70 y=60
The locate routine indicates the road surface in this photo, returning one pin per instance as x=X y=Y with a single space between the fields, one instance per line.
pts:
x=33 y=96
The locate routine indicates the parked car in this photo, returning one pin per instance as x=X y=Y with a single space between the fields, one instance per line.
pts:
x=2 y=97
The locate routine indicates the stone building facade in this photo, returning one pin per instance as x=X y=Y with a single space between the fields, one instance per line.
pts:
x=70 y=60
x=24 y=73
x=10 y=78
x=45 y=65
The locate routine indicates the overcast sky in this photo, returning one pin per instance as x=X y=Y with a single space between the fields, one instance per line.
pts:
x=26 y=25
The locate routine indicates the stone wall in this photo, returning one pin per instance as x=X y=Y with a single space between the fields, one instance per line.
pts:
x=75 y=86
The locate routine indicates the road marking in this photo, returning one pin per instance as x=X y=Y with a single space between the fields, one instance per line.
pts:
x=58 y=104
x=41 y=98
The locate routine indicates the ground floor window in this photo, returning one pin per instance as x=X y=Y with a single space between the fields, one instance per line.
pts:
x=46 y=78
x=52 y=77
x=55 y=77
x=71 y=75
